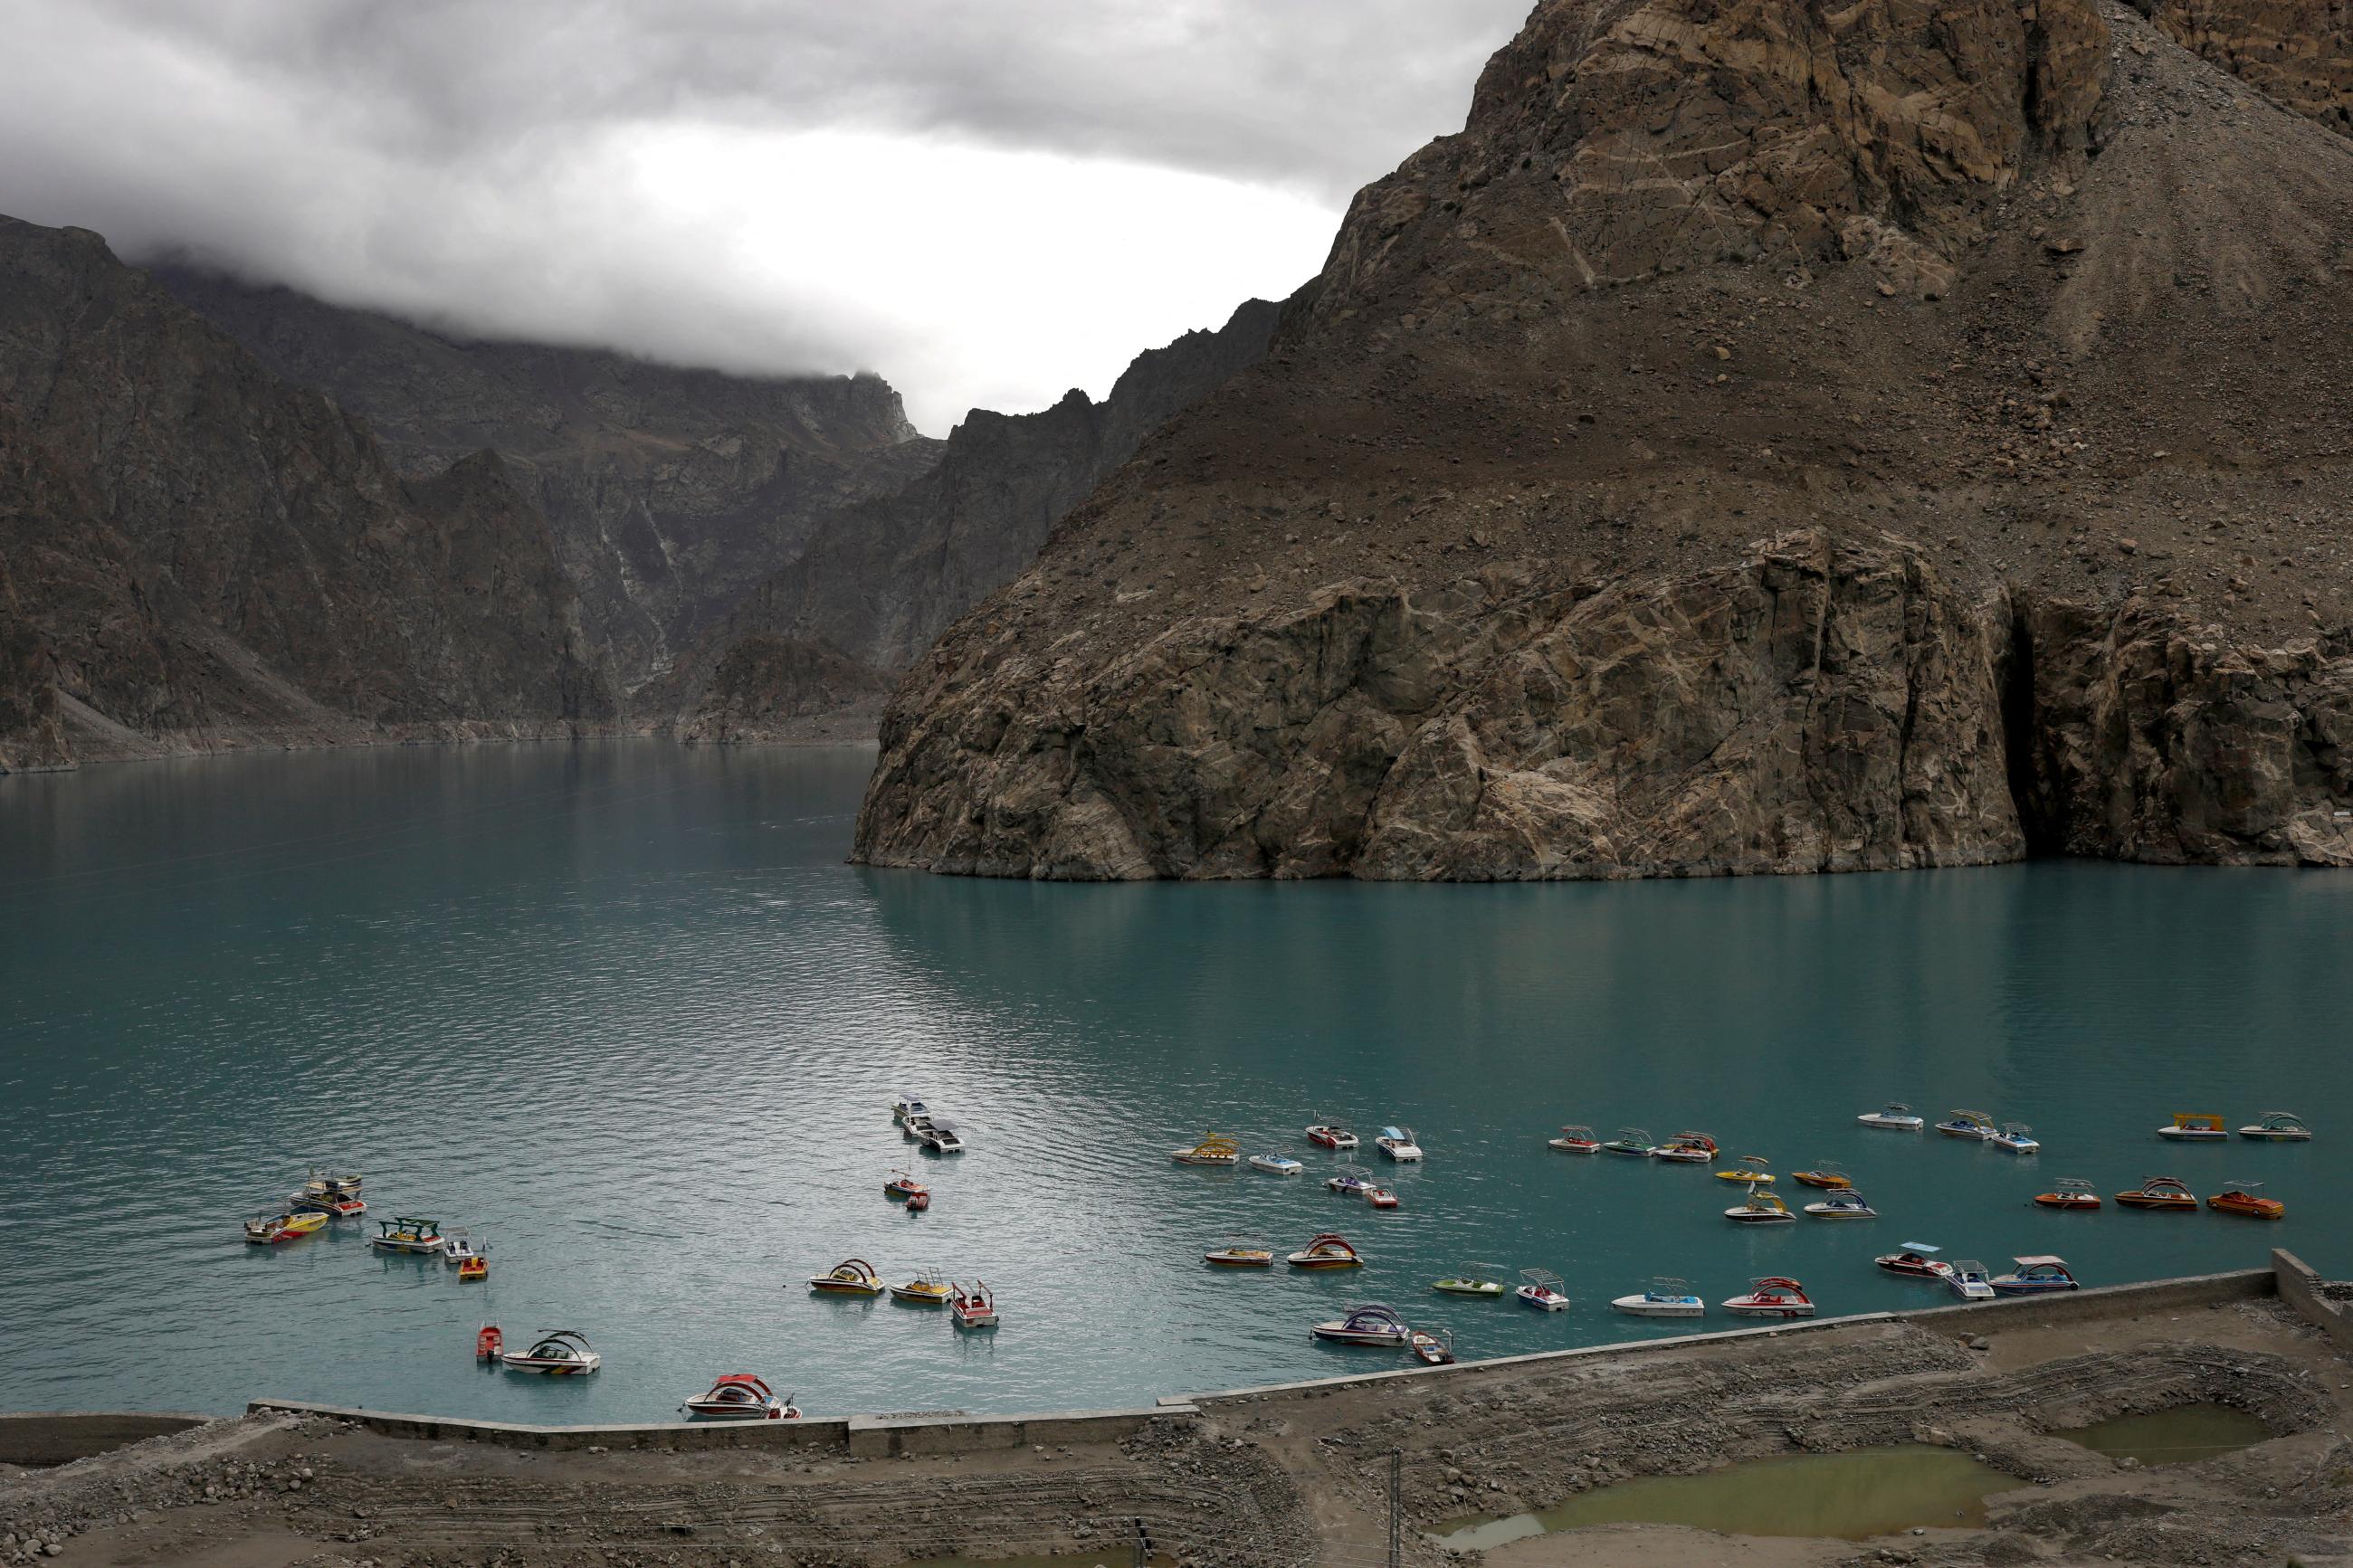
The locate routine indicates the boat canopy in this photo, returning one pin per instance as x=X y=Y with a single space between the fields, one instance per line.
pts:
x=2209 y=1124
x=1392 y=1132
x=1374 y=1315
x=1920 y=1247
x=2042 y=1261
x=1542 y=1279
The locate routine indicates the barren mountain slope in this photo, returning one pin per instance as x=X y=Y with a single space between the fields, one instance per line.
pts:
x=196 y=555
x=1763 y=439
x=879 y=580
x=2300 y=52
x=670 y=492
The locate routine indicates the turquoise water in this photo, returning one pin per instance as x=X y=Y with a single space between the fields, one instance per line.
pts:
x=623 y=1010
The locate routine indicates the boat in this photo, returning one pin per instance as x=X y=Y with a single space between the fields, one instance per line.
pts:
x=1473 y=1279
x=1276 y=1164
x=1380 y=1197
x=475 y=1267
x=1434 y=1347
x=336 y=1196
x=2014 y=1136
x=1398 y=1143
x=1327 y=1250
x=740 y=1397
x=1665 y=1299
x=1330 y=1135
x=1894 y=1117
x=1630 y=1141
x=1822 y=1175
x=1918 y=1260
x=1241 y=1252
x=917 y=1201
x=404 y=1234
x=1371 y=1324
x=973 y=1306
x=457 y=1248
x=268 y=1230
x=851 y=1276
x=2189 y=1128
x=1214 y=1149
x=907 y=1106
x=488 y=1341
x=2034 y=1276
x=1967 y=1124
x=1967 y=1280
x=2279 y=1126
x=2159 y=1192
x=1773 y=1296
x=1760 y=1207
x=941 y=1137
x=1349 y=1182
x=2069 y=1193
x=1575 y=1140
x=1749 y=1168
x=1687 y=1149
x=926 y=1290
x=559 y=1352
x=1541 y=1290
x=903 y=1185
x=1843 y=1202
x=2246 y=1198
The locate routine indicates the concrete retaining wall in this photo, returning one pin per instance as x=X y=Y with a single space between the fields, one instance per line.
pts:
x=833 y=1432
x=866 y=1437
x=61 y=1436
x=2299 y=1287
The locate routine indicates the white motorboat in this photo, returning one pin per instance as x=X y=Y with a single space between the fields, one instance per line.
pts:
x=459 y=1246
x=1970 y=1280
x=740 y=1397
x=1575 y=1139
x=1665 y=1299
x=907 y=1105
x=1894 y=1116
x=1542 y=1291
x=560 y=1352
x=2191 y=1127
x=942 y=1137
x=1351 y=1182
x=2278 y=1127
x=2016 y=1137
x=1774 y=1296
x=1370 y=1325
x=1398 y=1143
x=1276 y=1164
x=1843 y=1202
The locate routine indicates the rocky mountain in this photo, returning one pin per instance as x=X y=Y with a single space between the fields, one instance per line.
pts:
x=1763 y=439
x=195 y=554
x=2298 y=52
x=879 y=580
x=671 y=493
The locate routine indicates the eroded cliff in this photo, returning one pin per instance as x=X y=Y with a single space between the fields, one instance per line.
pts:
x=1764 y=440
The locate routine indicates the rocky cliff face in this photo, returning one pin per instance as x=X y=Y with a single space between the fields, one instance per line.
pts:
x=195 y=554
x=1764 y=440
x=671 y=493
x=879 y=580
x=2298 y=52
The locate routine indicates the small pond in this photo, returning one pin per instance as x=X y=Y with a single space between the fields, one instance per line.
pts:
x=2181 y=1436
x=1850 y=1495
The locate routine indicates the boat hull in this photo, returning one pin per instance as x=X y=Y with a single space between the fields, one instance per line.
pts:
x=2056 y=1200
x=1238 y=1259
x=1636 y=1307
x=2031 y=1286
x=1745 y=1307
x=838 y=1287
x=2273 y=1135
x=1298 y=1260
x=1456 y=1288
x=1544 y=1301
x=550 y=1368
x=706 y=1412
x=2194 y=1135
x=1331 y=1333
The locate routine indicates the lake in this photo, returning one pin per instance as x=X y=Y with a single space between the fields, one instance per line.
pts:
x=622 y=1009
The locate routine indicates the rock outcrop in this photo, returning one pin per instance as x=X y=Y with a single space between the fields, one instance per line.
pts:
x=2297 y=52
x=1763 y=440
x=195 y=555
x=879 y=580
x=671 y=493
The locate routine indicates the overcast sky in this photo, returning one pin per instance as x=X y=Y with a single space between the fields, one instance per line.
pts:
x=987 y=201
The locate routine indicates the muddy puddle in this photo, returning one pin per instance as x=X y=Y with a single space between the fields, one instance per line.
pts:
x=1852 y=1496
x=2181 y=1436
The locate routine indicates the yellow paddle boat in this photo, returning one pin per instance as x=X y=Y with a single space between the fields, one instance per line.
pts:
x=1241 y=1252
x=1214 y=1149
x=926 y=1290
x=851 y=1276
x=271 y=1229
x=1822 y=1175
x=1751 y=1169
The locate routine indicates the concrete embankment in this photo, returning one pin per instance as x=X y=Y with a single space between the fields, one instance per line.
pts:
x=41 y=1437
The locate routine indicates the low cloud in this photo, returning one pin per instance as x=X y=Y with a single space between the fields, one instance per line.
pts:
x=986 y=203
